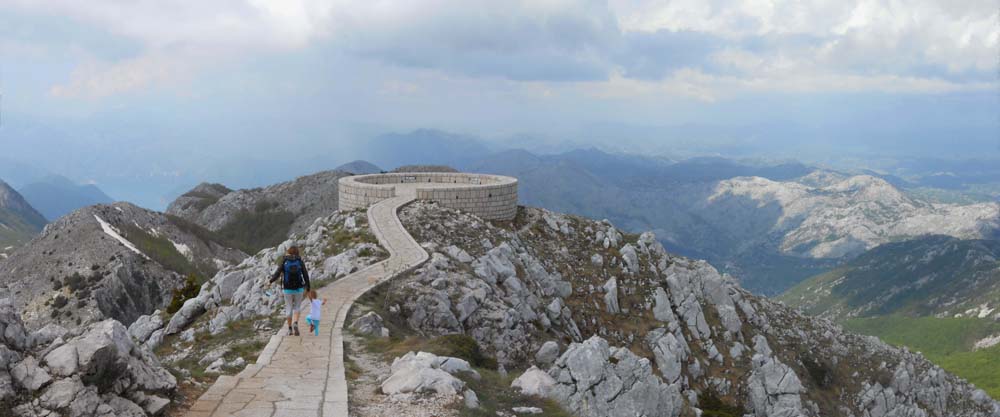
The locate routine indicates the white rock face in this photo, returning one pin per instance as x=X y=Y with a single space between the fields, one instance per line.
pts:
x=425 y=372
x=591 y=385
x=535 y=382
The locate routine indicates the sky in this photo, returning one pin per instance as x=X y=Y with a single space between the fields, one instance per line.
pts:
x=104 y=84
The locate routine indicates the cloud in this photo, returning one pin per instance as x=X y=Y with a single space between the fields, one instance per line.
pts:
x=521 y=40
x=923 y=45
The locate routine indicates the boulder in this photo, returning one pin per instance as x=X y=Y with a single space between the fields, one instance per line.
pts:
x=188 y=312
x=425 y=372
x=29 y=375
x=547 y=354
x=631 y=258
x=370 y=324
x=61 y=393
x=63 y=361
x=611 y=296
x=144 y=326
x=534 y=382
x=471 y=399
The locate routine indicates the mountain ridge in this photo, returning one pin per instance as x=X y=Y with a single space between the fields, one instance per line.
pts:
x=55 y=196
x=19 y=221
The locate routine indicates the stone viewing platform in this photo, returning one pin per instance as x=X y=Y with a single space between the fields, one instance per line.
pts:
x=491 y=197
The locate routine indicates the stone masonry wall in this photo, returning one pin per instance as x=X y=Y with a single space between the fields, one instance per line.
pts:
x=491 y=197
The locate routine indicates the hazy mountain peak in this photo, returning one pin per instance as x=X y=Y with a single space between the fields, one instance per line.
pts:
x=55 y=195
x=359 y=167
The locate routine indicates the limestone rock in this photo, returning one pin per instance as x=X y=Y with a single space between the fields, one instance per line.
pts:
x=547 y=354
x=370 y=324
x=63 y=361
x=418 y=373
x=535 y=382
x=61 y=393
x=611 y=296
x=189 y=311
x=471 y=399
x=29 y=375
x=591 y=384
x=144 y=326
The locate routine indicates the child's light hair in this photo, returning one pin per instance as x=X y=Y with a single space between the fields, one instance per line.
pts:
x=311 y=294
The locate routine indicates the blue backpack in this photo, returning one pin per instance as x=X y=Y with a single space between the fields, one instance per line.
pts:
x=293 y=274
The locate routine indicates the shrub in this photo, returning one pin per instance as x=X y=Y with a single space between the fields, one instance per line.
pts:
x=59 y=302
x=74 y=282
x=256 y=230
x=188 y=291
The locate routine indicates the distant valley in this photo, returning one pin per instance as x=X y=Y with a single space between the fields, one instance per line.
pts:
x=936 y=294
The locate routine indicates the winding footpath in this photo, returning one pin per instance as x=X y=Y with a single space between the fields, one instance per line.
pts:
x=304 y=376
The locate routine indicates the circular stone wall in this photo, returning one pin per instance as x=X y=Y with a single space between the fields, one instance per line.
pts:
x=492 y=197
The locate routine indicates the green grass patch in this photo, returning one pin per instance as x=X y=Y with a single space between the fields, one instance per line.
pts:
x=947 y=342
x=163 y=251
x=495 y=394
x=264 y=227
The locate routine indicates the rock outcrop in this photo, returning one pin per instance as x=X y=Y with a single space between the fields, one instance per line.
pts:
x=96 y=370
x=422 y=372
x=650 y=333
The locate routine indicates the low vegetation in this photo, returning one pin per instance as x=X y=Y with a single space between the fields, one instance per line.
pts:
x=947 y=342
x=263 y=227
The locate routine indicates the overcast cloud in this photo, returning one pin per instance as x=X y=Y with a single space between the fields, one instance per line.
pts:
x=918 y=46
x=311 y=72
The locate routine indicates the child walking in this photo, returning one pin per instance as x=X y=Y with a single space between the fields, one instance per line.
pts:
x=315 y=311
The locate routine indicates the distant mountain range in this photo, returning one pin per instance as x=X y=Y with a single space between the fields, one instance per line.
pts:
x=771 y=225
x=19 y=221
x=56 y=196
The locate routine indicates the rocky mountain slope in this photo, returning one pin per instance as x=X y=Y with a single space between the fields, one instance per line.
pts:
x=19 y=221
x=261 y=217
x=95 y=370
x=56 y=196
x=931 y=276
x=115 y=261
x=769 y=225
x=620 y=327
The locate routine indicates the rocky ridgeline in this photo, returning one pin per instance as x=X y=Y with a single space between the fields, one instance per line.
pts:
x=307 y=198
x=824 y=215
x=107 y=261
x=332 y=247
x=96 y=370
x=619 y=327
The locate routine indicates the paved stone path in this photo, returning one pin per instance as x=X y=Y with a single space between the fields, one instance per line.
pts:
x=304 y=376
